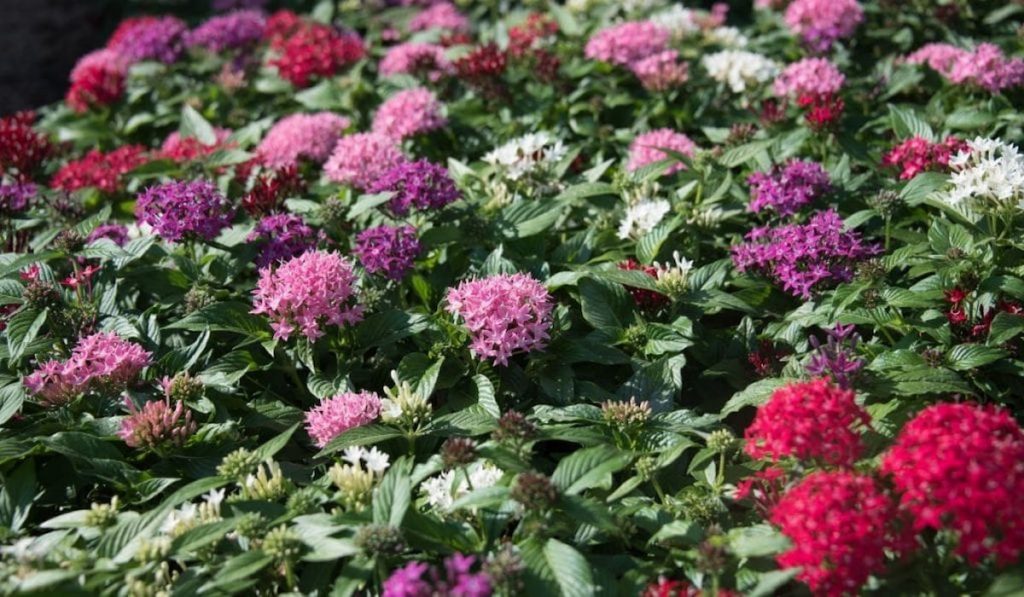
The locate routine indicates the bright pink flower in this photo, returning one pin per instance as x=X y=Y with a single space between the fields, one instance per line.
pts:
x=409 y=113
x=359 y=160
x=102 y=362
x=816 y=76
x=961 y=467
x=338 y=414
x=986 y=66
x=916 y=155
x=627 y=43
x=647 y=149
x=104 y=171
x=97 y=80
x=940 y=57
x=661 y=71
x=505 y=314
x=413 y=58
x=301 y=136
x=306 y=294
x=822 y=22
x=442 y=15
x=158 y=423
x=813 y=420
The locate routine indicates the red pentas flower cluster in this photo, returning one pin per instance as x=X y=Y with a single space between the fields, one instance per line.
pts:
x=815 y=421
x=270 y=188
x=968 y=327
x=104 y=171
x=917 y=154
x=961 y=467
x=484 y=63
x=310 y=50
x=22 y=149
x=97 y=80
x=525 y=44
x=840 y=524
x=822 y=112
x=643 y=298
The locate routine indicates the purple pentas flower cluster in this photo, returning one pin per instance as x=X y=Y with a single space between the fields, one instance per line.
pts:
x=102 y=362
x=307 y=293
x=359 y=160
x=505 y=314
x=408 y=113
x=301 y=136
x=281 y=237
x=184 y=210
x=236 y=29
x=150 y=38
x=390 y=251
x=15 y=197
x=335 y=415
x=786 y=189
x=837 y=358
x=420 y=185
x=986 y=66
x=456 y=578
x=118 y=233
x=804 y=258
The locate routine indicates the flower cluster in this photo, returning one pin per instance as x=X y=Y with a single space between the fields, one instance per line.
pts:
x=301 y=136
x=97 y=80
x=812 y=420
x=959 y=467
x=102 y=362
x=117 y=233
x=22 y=149
x=149 y=38
x=307 y=293
x=740 y=69
x=315 y=50
x=281 y=237
x=388 y=250
x=338 y=414
x=916 y=155
x=786 y=189
x=627 y=43
x=649 y=300
x=531 y=154
x=505 y=314
x=102 y=171
x=986 y=66
x=441 y=15
x=360 y=160
x=186 y=149
x=837 y=358
x=420 y=185
x=661 y=71
x=648 y=148
x=15 y=198
x=803 y=257
x=442 y=490
x=183 y=210
x=810 y=76
x=642 y=216
x=157 y=424
x=237 y=29
x=418 y=579
x=820 y=23
x=414 y=58
x=269 y=189
x=408 y=113
x=988 y=174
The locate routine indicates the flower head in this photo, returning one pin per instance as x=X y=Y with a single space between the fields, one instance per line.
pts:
x=237 y=29
x=186 y=149
x=648 y=148
x=408 y=113
x=643 y=216
x=103 y=171
x=388 y=250
x=916 y=155
x=988 y=174
x=627 y=43
x=301 y=136
x=338 y=414
x=316 y=50
x=441 y=15
x=415 y=58
x=184 y=210
x=820 y=23
x=149 y=38
x=816 y=76
x=117 y=233
x=420 y=185
x=444 y=489
x=157 y=424
x=281 y=237
x=837 y=358
x=740 y=69
x=359 y=160
x=97 y=80
x=786 y=189
x=535 y=153
x=661 y=71
x=22 y=149
x=101 y=362
x=985 y=66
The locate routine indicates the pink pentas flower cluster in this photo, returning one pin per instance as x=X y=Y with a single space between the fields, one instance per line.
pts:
x=388 y=250
x=785 y=189
x=184 y=210
x=661 y=71
x=961 y=467
x=804 y=258
x=102 y=362
x=810 y=76
x=157 y=424
x=307 y=293
x=647 y=149
x=810 y=421
x=149 y=38
x=820 y=23
x=359 y=160
x=627 y=43
x=335 y=415
x=442 y=15
x=415 y=58
x=916 y=155
x=97 y=80
x=505 y=314
x=408 y=113
x=301 y=137
x=281 y=237
x=457 y=579
x=986 y=66
x=840 y=524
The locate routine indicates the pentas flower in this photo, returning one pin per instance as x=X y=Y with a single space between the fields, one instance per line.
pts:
x=157 y=424
x=307 y=293
x=237 y=29
x=627 y=43
x=535 y=153
x=301 y=137
x=15 y=198
x=444 y=489
x=281 y=237
x=187 y=149
x=917 y=155
x=149 y=38
x=281 y=25
x=408 y=113
x=645 y=299
x=269 y=189
x=181 y=210
x=117 y=233
x=822 y=112
x=815 y=76
x=786 y=189
x=314 y=51
x=505 y=314
x=988 y=174
x=804 y=258
x=482 y=67
x=841 y=525
x=642 y=216
x=103 y=171
x=22 y=149
x=335 y=415
x=101 y=362
x=97 y=80
x=418 y=59
x=820 y=23
x=837 y=358
x=986 y=66
x=961 y=467
x=360 y=160
x=418 y=579
x=441 y=15
x=809 y=421
x=388 y=250
x=661 y=71
x=740 y=70
x=940 y=57
x=647 y=149
x=523 y=39
x=420 y=185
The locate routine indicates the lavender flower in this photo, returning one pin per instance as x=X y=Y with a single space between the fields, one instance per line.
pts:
x=282 y=237
x=786 y=189
x=388 y=250
x=181 y=209
x=837 y=358
x=418 y=184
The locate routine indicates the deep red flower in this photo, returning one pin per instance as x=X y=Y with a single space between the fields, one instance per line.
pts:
x=955 y=296
x=105 y=171
x=280 y=26
x=456 y=38
x=22 y=148
x=767 y=359
x=316 y=50
x=523 y=38
x=270 y=189
x=648 y=300
x=483 y=63
x=916 y=155
x=822 y=111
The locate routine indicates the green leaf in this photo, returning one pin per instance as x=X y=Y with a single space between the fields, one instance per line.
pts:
x=758 y=540
x=604 y=306
x=17 y=495
x=12 y=396
x=392 y=496
x=571 y=570
x=390 y=326
x=770 y=582
x=589 y=467
x=649 y=245
x=267 y=450
x=361 y=436
x=225 y=317
x=194 y=125
x=753 y=395
x=1005 y=327
x=744 y=153
x=485 y=396
x=22 y=330
x=970 y=356
x=906 y=123
x=238 y=572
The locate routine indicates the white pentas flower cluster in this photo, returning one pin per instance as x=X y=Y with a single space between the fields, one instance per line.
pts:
x=740 y=69
x=536 y=153
x=728 y=37
x=641 y=217
x=674 y=277
x=680 y=21
x=989 y=174
x=442 y=490
x=191 y=514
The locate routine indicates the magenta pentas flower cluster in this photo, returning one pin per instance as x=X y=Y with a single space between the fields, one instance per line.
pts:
x=810 y=76
x=786 y=189
x=359 y=160
x=419 y=579
x=338 y=414
x=307 y=293
x=416 y=185
x=301 y=137
x=505 y=314
x=408 y=113
x=236 y=29
x=840 y=525
x=661 y=71
x=441 y=15
x=15 y=197
x=416 y=58
x=812 y=421
x=627 y=43
x=151 y=38
x=102 y=362
x=184 y=210
x=281 y=237
x=390 y=251
x=804 y=258
x=961 y=467
x=118 y=233
x=837 y=358
x=647 y=149
x=820 y=23
x=986 y=66
x=158 y=424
